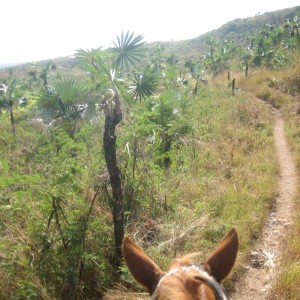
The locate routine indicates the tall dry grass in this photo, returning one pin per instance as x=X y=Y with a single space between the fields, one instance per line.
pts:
x=224 y=175
x=228 y=175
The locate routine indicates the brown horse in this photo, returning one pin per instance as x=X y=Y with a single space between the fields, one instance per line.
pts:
x=184 y=280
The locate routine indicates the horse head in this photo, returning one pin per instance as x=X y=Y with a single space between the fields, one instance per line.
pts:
x=184 y=280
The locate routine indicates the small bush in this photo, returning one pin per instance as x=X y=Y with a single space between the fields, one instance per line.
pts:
x=265 y=94
x=277 y=99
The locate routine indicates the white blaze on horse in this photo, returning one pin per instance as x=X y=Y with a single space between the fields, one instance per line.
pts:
x=184 y=280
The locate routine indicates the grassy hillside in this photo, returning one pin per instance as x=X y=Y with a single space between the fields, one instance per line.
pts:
x=196 y=157
x=223 y=174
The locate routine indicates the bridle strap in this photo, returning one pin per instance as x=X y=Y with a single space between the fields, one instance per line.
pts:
x=208 y=279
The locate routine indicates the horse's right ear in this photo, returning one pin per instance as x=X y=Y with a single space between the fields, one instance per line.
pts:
x=221 y=261
x=142 y=268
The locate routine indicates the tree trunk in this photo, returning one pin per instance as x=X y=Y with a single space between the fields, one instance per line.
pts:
x=112 y=119
x=12 y=119
x=45 y=81
x=213 y=59
x=246 y=69
x=167 y=159
x=195 y=91
x=233 y=86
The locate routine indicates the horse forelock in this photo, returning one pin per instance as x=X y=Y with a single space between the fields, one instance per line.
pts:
x=183 y=284
x=183 y=287
x=183 y=261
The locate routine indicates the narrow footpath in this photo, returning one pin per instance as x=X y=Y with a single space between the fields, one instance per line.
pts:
x=256 y=282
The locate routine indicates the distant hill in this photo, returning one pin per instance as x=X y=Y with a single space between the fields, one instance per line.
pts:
x=3 y=66
x=235 y=30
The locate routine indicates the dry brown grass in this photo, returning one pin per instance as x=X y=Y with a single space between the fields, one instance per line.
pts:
x=228 y=178
x=121 y=293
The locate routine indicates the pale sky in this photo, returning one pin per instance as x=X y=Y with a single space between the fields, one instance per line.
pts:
x=32 y=30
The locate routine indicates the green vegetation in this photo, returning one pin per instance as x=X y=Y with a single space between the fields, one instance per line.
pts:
x=138 y=140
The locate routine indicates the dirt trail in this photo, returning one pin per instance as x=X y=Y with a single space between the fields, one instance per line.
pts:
x=256 y=281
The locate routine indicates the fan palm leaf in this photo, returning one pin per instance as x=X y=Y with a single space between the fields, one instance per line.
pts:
x=143 y=85
x=65 y=100
x=127 y=50
x=94 y=60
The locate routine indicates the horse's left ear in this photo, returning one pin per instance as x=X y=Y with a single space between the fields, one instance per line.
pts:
x=221 y=261
x=142 y=268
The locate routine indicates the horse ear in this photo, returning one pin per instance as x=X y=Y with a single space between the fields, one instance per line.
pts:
x=142 y=268
x=221 y=261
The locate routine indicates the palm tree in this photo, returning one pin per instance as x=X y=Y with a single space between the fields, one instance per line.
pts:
x=103 y=65
x=67 y=102
x=142 y=84
x=10 y=96
x=213 y=44
x=196 y=68
x=44 y=72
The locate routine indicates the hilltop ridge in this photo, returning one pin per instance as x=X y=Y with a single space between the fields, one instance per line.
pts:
x=236 y=30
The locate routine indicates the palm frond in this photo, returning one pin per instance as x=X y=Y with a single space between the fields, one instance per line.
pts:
x=3 y=88
x=50 y=104
x=68 y=100
x=70 y=90
x=92 y=110
x=143 y=85
x=127 y=50
x=94 y=60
